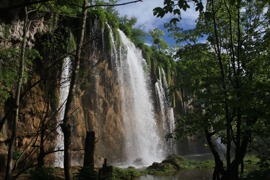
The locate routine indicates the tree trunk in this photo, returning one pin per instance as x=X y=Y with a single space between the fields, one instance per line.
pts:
x=66 y=126
x=224 y=89
x=17 y=98
x=89 y=150
x=41 y=154
x=219 y=168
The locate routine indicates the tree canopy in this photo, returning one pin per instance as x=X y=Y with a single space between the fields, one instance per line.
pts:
x=225 y=80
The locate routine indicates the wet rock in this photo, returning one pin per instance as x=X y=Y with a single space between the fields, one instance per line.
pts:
x=138 y=161
x=157 y=166
x=174 y=160
x=171 y=163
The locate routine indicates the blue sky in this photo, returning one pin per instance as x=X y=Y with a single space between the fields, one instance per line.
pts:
x=143 y=11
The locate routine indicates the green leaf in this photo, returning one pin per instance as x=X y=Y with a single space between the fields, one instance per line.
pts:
x=159 y=12
x=176 y=11
x=175 y=20
x=208 y=15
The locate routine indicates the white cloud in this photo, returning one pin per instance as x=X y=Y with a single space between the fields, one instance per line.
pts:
x=143 y=11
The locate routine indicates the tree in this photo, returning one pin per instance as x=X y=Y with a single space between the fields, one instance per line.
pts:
x=156 y=39
x=226 y=100
x=17 y=99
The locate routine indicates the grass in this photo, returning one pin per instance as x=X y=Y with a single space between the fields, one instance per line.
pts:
x=125 y=174
x=167 y=169
x=252 y=170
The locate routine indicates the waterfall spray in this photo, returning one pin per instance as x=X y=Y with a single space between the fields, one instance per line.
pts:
x=143 y=143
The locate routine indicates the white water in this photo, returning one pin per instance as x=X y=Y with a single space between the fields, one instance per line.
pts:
x=64 y=90
x=114 y=53
x=166 y=111
x=143 y=143
x=169 y=109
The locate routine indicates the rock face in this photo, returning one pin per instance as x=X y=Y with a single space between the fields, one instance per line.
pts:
x=97 y=105
x=100 y=107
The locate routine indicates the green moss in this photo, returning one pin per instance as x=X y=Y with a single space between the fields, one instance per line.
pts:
x=108 y=40
x=71 y=43
x=125 y=174
x=9 y=66
x=112 y=20
x=117 y=38
x=146 y=52
x=166 y=169
x=126 y=29
x=99 y=15
x=43 y=173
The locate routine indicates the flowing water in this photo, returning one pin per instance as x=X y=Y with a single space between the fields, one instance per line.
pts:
x=165 y=107
x=64 y=90
x=143 y=143
x=144 y=140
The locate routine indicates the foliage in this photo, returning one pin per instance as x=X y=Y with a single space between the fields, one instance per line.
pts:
x=157 y=40
x=224 y=82
x=165 y=169
x=42 y=173
x=87 y=173
x=125 y=174
x=55 y=46
x=9 y=64
x=175 y=8
x=16 y=155
x=126 y=24
x=112 y=20
x=8 y=73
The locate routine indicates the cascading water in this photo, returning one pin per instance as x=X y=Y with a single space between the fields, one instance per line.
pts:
x=114 y=53
x=64 y=90
x=161 y=95
x=143 y=143
x=166 y=111
x=169 y=109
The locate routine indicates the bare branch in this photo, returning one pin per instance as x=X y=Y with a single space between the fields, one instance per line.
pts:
x=108 y=5
x=23 y=5
x=44 y=1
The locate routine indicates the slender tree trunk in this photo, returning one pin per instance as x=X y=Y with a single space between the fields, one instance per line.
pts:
x=17 y=99
x=224 y=90
x=66 y=126
x=89 y=150
x=219 y=168
x=41 y=154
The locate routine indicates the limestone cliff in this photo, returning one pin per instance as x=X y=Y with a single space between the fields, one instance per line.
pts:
x=97 y=105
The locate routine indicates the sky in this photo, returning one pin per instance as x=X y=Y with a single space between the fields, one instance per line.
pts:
x=143 y=11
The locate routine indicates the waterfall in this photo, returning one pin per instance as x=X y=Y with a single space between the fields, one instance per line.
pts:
x=114 y=53
x=143 y=143
x=169 y=109
x=64 y=90
x=161 y=95
x=166 y=110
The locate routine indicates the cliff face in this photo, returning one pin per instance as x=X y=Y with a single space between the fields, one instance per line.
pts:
x=97 y=105
x=101 y=103
x=35 y=107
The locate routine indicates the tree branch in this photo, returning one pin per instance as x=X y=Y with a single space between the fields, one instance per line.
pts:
x=120 y=4
x=23 y=5
x=43 y=1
